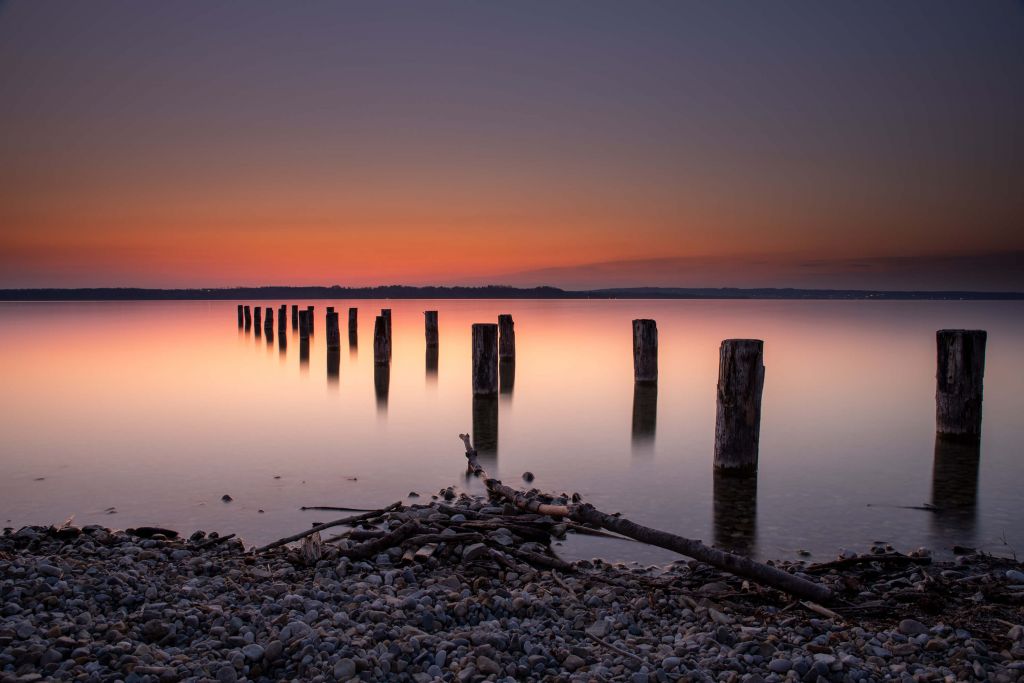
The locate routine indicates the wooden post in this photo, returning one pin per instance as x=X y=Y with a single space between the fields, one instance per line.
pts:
x=959 y=380
x=485 y=359
x=430 y=327
x=310 y=322
x=282 y=320
x=256 y=321
x=248 y=318
x=738 y=419
x=353 y=321
x=241 y=316
x=506 y=337
x=432 y=363
x=645 y=350
x=386 y=314
x=330 y=309
x=295 y=316
x=333 y=362
x=303 y=348
x=333 y=334
x=381 y=383
x=381 y=341
x=304 y=317
x=268 y=325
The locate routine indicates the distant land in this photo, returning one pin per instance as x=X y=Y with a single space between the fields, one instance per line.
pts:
x=488 y=292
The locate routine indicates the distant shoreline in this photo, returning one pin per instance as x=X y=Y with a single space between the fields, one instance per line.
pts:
x=489 y=292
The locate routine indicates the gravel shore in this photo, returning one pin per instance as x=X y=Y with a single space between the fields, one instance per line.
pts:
x=145 y=605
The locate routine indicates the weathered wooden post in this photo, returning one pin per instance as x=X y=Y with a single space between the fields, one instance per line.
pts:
x=282 y=320
x=268 y=325
x=295 y=316
x=333 y=362
x=304 y=317
x=738 y=419
x=310 y=320
x=333 y=334
x=256 y=321
x=353 y=322
x=432 y=363
x=241 y=316
x=248 y=318
x=645 y=412
x=485 y=359
x=645 y=350
x=330 y=309
x=303 y=349
x=430 y=327
x=959 y=382
x=381 y=341
x=386 y=314
x=506 y=337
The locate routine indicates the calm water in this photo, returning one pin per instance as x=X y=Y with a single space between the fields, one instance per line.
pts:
x=158 y=409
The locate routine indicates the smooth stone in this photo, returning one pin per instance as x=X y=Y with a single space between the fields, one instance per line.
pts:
x=344 y=669
x=780 y=666
x=912 y=627
x=253 y=652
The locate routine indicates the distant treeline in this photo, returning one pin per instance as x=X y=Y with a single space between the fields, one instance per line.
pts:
x=488 y=292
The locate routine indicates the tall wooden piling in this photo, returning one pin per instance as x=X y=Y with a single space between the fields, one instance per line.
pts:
x=282 y=320
x=645 y=350
x=430 y=327
x=241 y=316
x=333 y=334
x=738 y=418
x=248 y=318
x=310 y=320
x=353 y=321
x=506 y=337
x=258 y=327
x=295 y=316
x=381 y=341
x=386 y=314
x=959 y=382
x=304 y=317
x=485 y=359
x=268 y=324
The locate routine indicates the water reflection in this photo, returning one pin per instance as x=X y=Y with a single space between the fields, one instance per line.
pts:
x=507 y=376
x=282 y=342
x=304 y=352
x=735 y=512
x=645 y=415
x=432 y=364
x=485 y=425
x=381 y=385
x=333 y=364
x=353 y=343
x=955 y=488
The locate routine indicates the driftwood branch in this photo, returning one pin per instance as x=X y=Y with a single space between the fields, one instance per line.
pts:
x=734 y=564
x=327 y=525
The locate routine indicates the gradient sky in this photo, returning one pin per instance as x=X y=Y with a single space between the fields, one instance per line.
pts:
x=244 y=143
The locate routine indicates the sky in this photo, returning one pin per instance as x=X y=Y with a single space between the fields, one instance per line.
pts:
x=578 y=144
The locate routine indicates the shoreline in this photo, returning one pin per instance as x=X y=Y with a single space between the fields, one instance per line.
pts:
x=462 y=590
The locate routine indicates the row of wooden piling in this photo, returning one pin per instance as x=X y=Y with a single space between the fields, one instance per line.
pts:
x=741 y=371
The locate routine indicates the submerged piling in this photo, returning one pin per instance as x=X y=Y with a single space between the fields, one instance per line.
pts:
x=353 y=321
x=304 y=317
x=430 y=327
x=333 y=334
x=959 y=382
x=310 y=319
x=381 y=341
x=645 y=350
x=282 y=320
x=241 y=316
x=485 y=359
x=258 y=327
x=268 y=324
x=506 y=337
x=738 y=418
x=248 y=318
x=295 y=316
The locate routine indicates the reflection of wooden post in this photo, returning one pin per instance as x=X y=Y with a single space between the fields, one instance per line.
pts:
x=485 y=424
x=506 y=337
x=282 y=320
x=241 y=316
x=645 y=351
x=955 y=483
x=295 y=316
x=645 y=411
x=353 y=321
x=310 y=320
x=304 y=317
x=333 y=362
x=381 y=341
x=959 y=380
x=507 y=376
x=381 y=383
x=738 y=419
x=333 y=334
x=485 y=359
x=735 y=512
x=432 y=363
x=258 y=327
x=268 y=325
x=248 y=318
x=430 y=327
x=303 y=347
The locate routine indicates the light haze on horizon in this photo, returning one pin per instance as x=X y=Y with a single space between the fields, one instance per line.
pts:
x=576 y=144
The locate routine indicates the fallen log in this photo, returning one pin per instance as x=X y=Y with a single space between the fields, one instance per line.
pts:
x=327 y=525
x=380 y=545
x=890 y=559
x=586 y=513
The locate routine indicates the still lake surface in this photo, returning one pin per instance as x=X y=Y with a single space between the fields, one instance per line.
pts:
x=157 y=409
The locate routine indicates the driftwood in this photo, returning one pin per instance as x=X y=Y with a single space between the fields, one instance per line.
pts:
x=214 y=541
x=335 y=509
x=379 y=545
x=891 y=559
x=312 y=549
x=327 y=525
x=734 y=564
